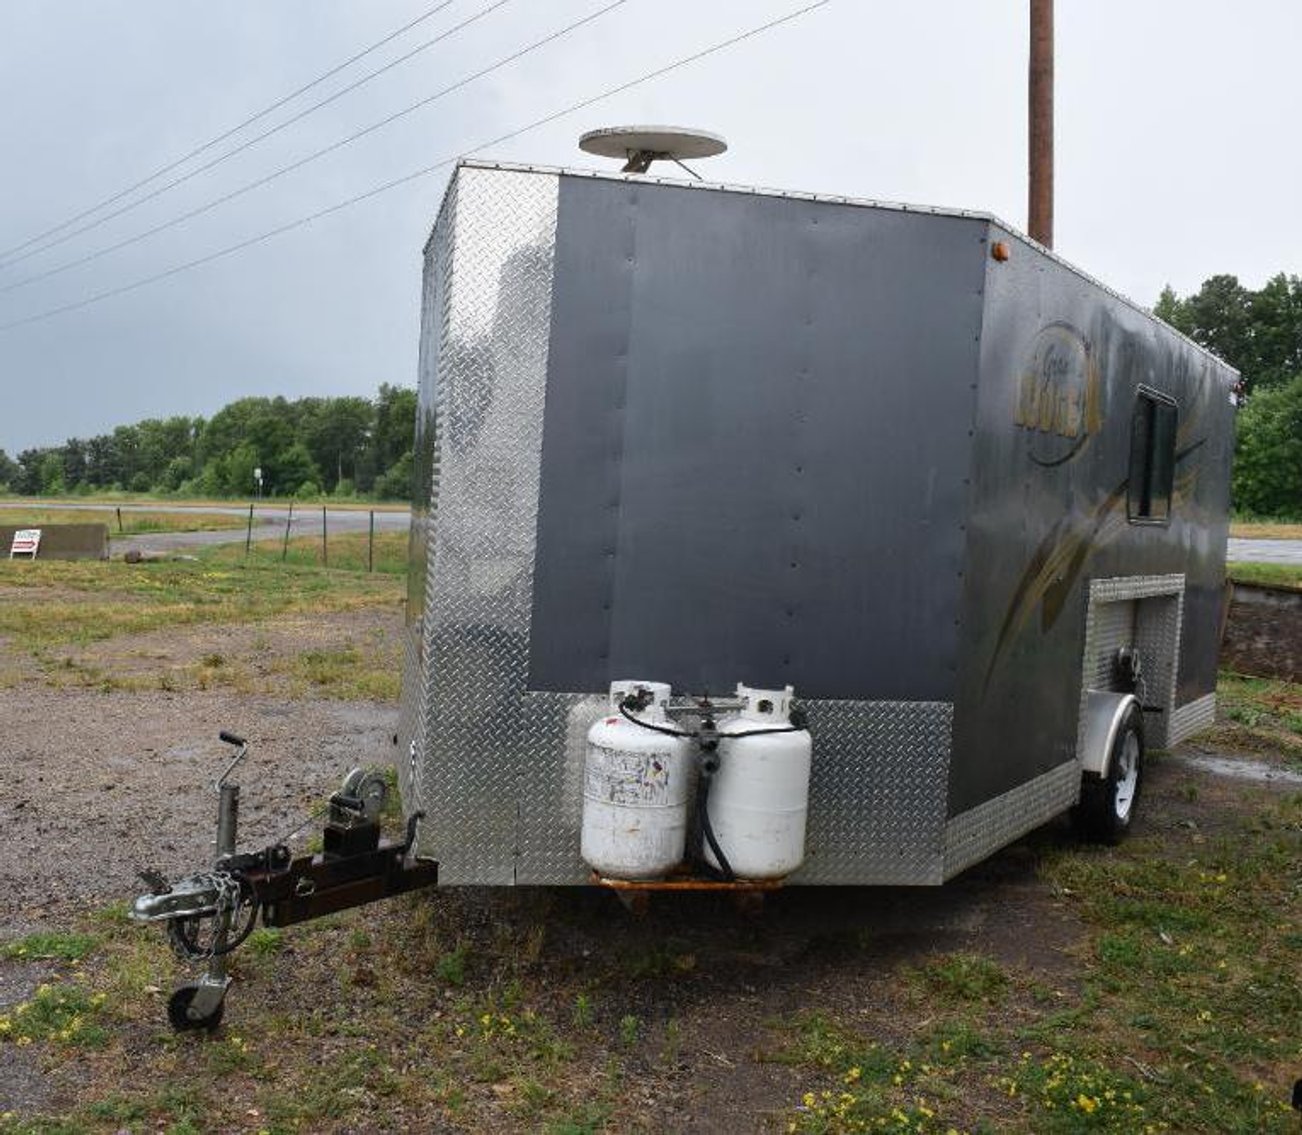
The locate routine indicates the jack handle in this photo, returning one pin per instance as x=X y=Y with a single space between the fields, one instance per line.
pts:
x=243 y=747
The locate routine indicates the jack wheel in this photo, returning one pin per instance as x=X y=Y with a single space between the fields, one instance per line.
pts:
x=178 y=1011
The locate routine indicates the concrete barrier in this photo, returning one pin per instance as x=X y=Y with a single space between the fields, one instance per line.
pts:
x=62 y=541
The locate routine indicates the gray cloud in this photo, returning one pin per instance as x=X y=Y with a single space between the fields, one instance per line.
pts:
x=1174 y=159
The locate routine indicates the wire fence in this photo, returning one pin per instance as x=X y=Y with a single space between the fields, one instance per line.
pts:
x=348 y=539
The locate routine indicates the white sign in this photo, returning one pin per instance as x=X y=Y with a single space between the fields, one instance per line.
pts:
x=257 y=474
x=26 y=542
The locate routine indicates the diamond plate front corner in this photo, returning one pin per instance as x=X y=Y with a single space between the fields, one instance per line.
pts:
x=471 y=736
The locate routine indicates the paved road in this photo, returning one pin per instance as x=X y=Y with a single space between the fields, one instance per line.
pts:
x=268 y=523
x=1266 y=551
x=307 y=522
x=268 y=520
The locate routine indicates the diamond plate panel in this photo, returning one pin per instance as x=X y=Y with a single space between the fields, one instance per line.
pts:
x=1114 y=627
x=473 y=736
x=498 y=768
x=1144 y=611
x=877 y=796
x=1122 y=587
x=1192 y=718
x=975 y=834
x=435 y=310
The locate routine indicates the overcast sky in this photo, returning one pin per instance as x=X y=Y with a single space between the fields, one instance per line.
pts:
x=1177 y=158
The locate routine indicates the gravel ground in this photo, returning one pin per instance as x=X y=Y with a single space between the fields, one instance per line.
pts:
x=100 y=786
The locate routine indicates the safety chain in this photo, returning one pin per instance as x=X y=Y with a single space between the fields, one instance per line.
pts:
x=230 y=897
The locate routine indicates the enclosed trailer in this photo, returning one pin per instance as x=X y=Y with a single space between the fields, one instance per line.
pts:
x=673 y=436
x=968 y=502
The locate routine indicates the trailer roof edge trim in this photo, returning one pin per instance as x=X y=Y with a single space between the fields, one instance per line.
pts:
x=837 y=199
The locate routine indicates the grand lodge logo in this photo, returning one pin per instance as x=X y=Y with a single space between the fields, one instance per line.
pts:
x=1058 y=395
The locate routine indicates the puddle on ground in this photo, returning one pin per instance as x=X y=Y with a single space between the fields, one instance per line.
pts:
x=1242 y=768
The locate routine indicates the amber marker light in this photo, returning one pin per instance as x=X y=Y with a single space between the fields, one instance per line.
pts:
x=1000 y=251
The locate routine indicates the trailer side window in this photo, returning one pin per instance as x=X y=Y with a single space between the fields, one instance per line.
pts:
x=1152 y=458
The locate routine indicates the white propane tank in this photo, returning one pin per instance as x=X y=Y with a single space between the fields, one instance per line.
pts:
x=636 y=785
x=759 y=799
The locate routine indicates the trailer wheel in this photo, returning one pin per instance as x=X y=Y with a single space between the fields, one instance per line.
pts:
x=178 y=1012
x=1107 y=803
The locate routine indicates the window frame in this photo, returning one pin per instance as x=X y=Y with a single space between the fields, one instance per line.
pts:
x=1141 y=487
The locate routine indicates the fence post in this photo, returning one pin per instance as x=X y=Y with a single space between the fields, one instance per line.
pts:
x=248 y=537
x=370 y=545
x=119 y=507
x=325 y=555
x=289 y=519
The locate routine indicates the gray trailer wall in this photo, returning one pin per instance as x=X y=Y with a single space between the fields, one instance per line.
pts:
x=755 y=443
x=1049 y=514
x=704 y=435
x=640 y=406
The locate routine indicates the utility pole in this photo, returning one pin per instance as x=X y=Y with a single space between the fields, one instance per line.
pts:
x=1040 y=135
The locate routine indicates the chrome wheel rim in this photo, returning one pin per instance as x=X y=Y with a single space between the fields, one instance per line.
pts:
x=1123 y=799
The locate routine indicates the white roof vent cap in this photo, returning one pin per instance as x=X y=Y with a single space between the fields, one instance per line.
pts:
x=639 y=146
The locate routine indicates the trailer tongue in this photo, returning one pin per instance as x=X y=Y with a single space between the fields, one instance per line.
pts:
x=208 y=915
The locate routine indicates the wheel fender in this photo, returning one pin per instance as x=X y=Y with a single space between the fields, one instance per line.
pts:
x=1104 y=711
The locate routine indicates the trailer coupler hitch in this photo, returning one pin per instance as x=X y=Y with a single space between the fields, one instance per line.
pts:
x=209 y=914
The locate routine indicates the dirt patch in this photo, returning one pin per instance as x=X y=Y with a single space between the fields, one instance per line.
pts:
x=100 y=786
x=474 y=1009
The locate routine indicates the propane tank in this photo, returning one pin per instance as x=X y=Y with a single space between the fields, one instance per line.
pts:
x=636 y=785
x=759 y=798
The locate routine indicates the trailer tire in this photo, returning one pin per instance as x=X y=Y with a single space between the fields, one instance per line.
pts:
x=1107 y=803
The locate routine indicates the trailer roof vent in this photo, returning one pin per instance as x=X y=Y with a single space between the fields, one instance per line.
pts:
x=639 y=146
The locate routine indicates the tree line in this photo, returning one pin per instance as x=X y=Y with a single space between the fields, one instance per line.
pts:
x=1260 y=333
x=360 y=446
x=305 y=448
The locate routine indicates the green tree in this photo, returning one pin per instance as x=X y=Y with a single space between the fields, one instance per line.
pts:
x=395 y=424
x=51 y=473
x=336 y=432
x=163 y=440
x=28 y=481
x=395 y=485
x=178 y=471
x=235 y=471
x=292 y=468
x=8 y=470
x=1257 y=332
x=1268 y=459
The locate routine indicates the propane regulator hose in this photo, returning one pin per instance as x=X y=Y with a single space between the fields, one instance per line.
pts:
x=797 y=724
x=709 y=766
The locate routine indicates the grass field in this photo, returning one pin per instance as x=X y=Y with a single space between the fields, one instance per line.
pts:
x=133 y=522
x=255 y=626
x=1276 y=575
x=1176 y=1006
x=347 y=552
x=1266 y=529
x=57 y=604
x=1165 y=997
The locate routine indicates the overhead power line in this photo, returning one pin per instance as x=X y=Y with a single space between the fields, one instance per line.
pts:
x=257 y=183
x=443 y=163
x=170 y=185
x=208 y=145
